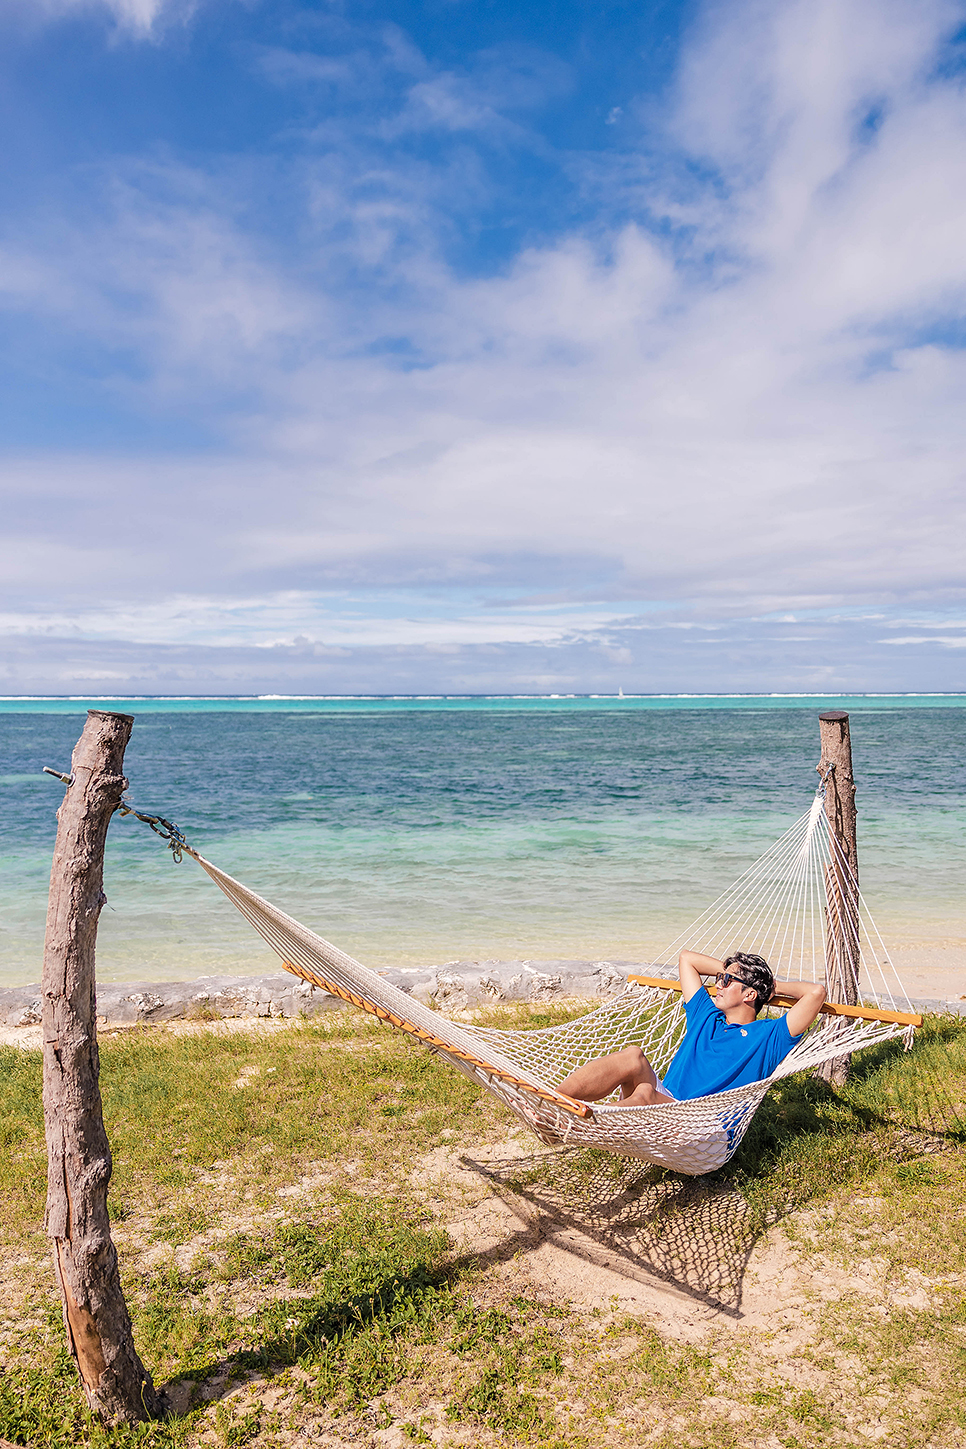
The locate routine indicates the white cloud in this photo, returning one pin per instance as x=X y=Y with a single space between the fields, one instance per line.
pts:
x=138 y=18
x=951 y=641
x=282 y=619
x=744 y=410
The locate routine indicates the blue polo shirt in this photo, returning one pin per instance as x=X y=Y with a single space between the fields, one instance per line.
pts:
x=715 y=1056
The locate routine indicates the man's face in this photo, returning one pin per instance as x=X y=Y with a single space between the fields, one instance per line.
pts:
x=735 y=992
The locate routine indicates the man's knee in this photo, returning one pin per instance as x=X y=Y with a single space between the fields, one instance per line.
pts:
x=633 y=1057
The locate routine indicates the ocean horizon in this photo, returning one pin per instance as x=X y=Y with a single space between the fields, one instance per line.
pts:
x=69 y=702
x=420 y=829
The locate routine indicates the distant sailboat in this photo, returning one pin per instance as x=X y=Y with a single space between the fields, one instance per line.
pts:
x=620 y=692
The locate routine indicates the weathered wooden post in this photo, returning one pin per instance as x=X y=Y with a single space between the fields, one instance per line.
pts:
x=117 y=1385
x=841 y=875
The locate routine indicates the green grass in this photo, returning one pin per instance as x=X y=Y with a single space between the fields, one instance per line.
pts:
x=289 y=1275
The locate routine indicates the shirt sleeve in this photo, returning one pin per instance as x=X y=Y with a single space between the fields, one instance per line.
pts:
x=792 y=1040
x=780 y=1043
x=699 y=1007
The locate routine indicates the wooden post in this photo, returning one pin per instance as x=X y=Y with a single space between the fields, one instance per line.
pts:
x=841 y=875
x=117 y=1385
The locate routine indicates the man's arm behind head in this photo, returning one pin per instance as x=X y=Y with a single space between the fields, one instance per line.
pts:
x=811 y=998
x=692 y=965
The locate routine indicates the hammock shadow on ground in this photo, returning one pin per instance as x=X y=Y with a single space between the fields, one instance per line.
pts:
x=697 y=1234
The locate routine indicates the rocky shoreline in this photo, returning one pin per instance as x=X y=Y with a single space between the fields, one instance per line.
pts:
x=457 y=986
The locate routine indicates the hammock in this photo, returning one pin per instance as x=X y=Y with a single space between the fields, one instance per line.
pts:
x=799 y=906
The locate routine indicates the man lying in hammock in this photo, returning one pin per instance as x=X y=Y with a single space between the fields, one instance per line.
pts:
x=724 y=1045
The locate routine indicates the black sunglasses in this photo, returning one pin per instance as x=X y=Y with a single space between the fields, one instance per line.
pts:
x=727 y=977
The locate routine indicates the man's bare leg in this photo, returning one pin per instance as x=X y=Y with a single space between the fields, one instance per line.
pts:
x=628 y=1069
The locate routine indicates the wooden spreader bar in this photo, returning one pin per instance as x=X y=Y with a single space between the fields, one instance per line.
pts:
x=830 y=1008
x=568 y=1104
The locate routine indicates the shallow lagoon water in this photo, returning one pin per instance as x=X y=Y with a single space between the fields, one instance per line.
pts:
x=425 y=831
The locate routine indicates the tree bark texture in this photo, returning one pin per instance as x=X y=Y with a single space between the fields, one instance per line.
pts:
x=841 y=876
x=116 y=1383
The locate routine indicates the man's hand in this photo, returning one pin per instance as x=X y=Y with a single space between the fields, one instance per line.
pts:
x=692 y=965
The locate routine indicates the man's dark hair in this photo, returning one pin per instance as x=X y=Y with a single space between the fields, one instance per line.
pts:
x=758 y=974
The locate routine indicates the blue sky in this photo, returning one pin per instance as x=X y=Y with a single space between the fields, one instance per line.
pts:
x=442 y=346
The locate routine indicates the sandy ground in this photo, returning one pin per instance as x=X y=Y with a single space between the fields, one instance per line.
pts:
x=932 y=972
x=539 y=1239
x=31 y=1037
x=685 y=1260
x=532 y=1243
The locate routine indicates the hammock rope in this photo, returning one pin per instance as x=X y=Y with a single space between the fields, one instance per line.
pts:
x=798 y=905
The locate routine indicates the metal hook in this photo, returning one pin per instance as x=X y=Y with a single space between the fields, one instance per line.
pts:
x=165 y=828
x=823 y=783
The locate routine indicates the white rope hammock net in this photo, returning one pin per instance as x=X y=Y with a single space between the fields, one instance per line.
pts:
x=798 y=906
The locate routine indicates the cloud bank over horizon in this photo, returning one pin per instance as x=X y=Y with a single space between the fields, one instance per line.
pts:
x=409 y=358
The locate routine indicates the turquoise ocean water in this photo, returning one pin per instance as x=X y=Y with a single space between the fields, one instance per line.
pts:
x=416 y=831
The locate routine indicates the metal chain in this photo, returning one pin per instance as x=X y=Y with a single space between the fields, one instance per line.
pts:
x=165 y=828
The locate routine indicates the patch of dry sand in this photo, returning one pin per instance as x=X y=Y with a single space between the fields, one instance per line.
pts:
x=527 y=1248
x=31 y=1037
